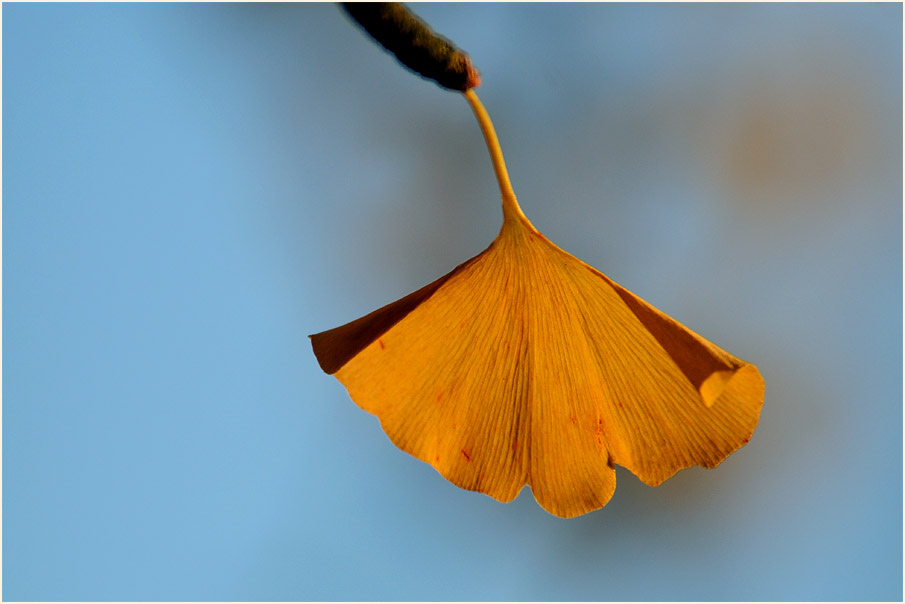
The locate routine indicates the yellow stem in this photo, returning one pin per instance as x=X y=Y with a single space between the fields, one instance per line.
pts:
x=511 y=208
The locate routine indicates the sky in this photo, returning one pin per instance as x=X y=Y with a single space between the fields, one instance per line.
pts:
x=190 y=190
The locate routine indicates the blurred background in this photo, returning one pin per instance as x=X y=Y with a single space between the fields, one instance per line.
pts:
x=192 y=189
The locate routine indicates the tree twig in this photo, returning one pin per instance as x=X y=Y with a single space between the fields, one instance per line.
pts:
x=415 y=44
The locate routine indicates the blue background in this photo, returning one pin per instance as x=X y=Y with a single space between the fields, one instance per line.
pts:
x=191 y=190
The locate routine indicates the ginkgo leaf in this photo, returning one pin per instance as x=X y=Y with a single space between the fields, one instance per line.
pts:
x=525 y=366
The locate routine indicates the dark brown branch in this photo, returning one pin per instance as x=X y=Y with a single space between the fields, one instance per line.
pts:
x=415 y=44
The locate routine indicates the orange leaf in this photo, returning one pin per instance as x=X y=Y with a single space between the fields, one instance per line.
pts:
x=525 y=365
